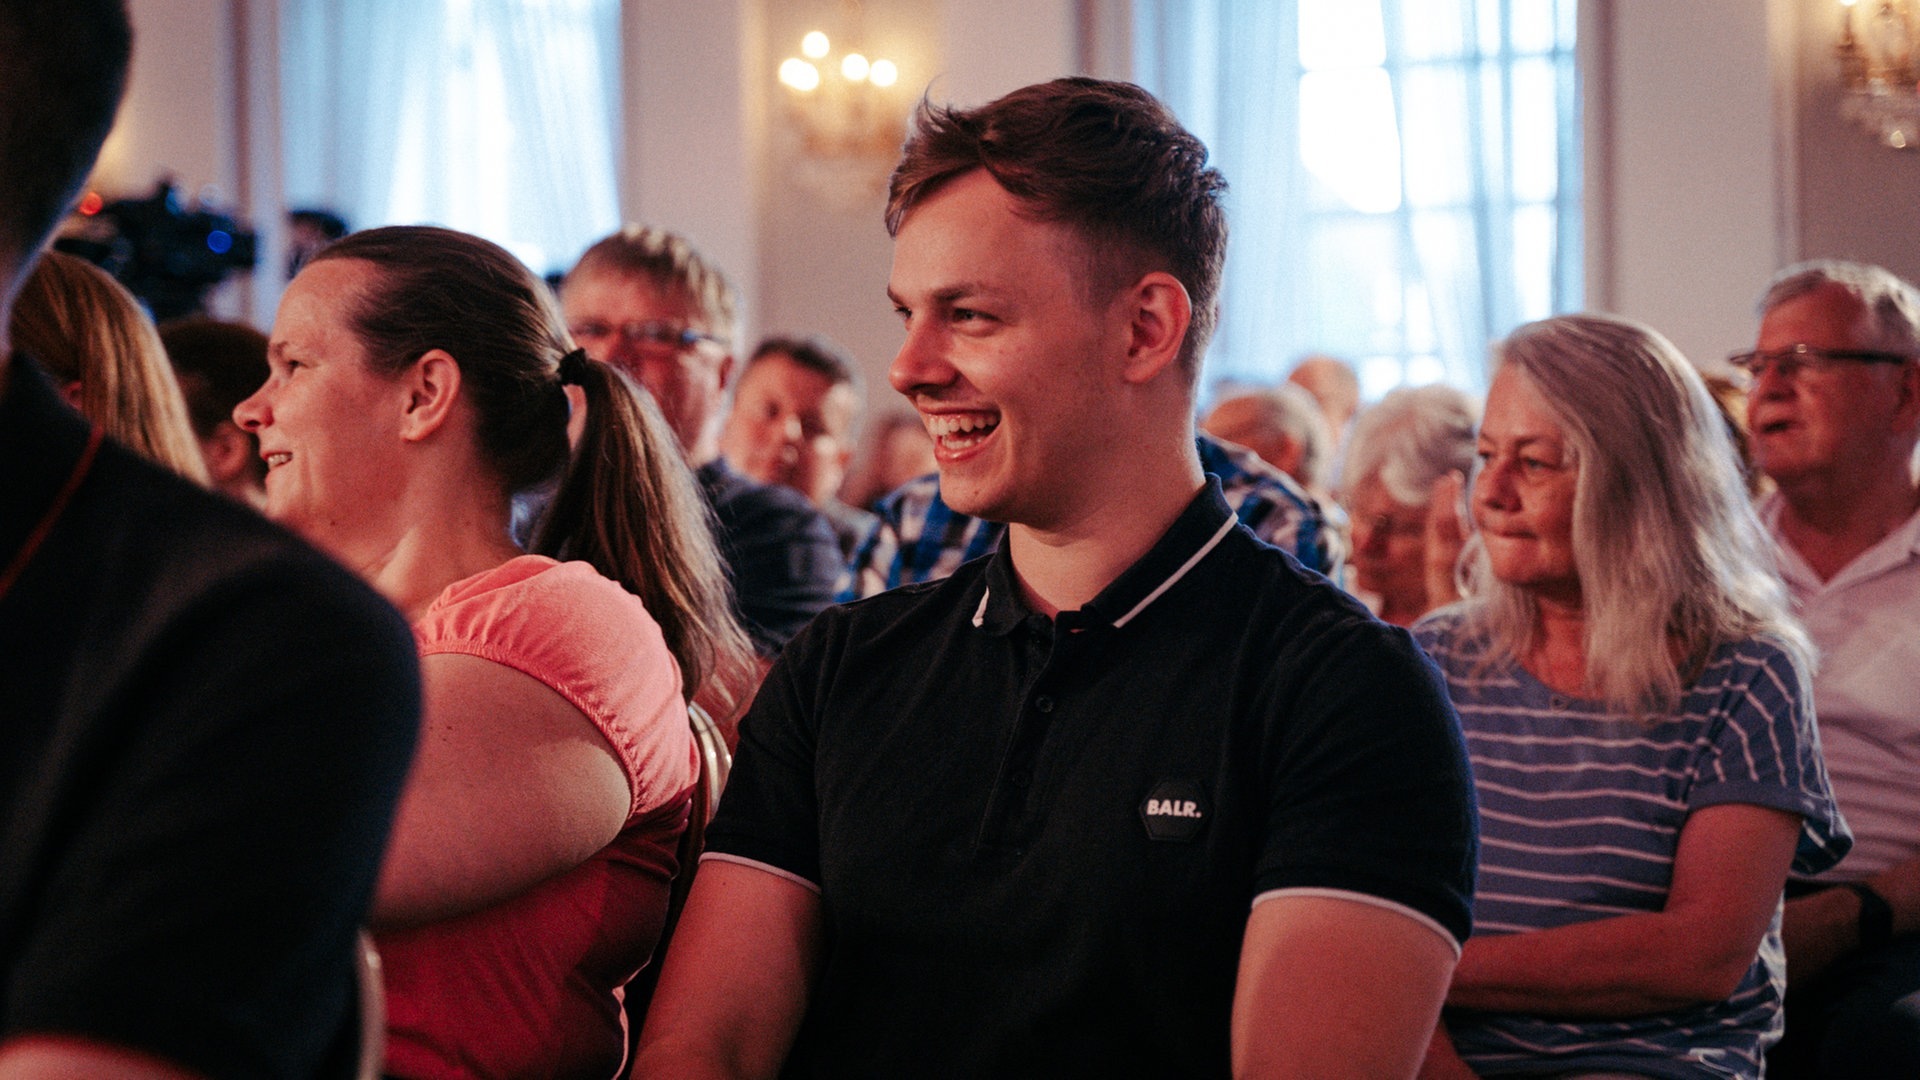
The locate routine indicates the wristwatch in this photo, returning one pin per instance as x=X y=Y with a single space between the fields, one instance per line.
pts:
x=1876 y=915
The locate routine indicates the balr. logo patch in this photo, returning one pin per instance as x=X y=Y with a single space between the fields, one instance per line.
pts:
x=1174 y=810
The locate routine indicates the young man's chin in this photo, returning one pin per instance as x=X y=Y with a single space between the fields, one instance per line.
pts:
x=970 y=497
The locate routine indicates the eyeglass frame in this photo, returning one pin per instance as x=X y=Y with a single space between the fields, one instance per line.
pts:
x=644 y=333
x=1792 y=359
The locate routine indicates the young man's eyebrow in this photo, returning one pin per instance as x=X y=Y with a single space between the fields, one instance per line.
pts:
x=948 y=294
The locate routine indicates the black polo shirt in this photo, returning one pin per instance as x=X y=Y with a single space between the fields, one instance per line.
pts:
x=1037 y=841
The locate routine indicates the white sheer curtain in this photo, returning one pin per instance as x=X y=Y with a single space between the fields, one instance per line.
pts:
x=1404 y=174
x=497 y=117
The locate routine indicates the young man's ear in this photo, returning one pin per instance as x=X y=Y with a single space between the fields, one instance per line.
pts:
x=432 y=385
x=1159 y=312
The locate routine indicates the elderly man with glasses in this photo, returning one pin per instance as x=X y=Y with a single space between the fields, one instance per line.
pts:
x=644 y=301
x=1834 y=412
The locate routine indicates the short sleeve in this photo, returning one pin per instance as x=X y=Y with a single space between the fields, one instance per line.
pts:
x=590 y=641
x=770 y=814
x=1765 y=749
x=1370 y=791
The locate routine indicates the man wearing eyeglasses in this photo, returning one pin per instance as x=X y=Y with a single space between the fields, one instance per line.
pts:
x=1834 y=412
x=644 y=301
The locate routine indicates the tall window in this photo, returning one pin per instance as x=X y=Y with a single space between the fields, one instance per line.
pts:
x=496 y=117
x=1404 y=174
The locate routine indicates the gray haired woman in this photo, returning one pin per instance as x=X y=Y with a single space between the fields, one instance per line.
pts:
x=1634 y=696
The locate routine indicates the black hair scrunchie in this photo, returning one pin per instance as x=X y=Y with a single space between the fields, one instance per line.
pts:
x=573 y=368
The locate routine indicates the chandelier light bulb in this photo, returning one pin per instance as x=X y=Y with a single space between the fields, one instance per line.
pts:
x=854 y=67
x=883 y=73
x=814 y=45
x=799 y=74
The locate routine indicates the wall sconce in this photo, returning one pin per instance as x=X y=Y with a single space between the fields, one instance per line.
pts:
x=843 y=104
x=1878 y=72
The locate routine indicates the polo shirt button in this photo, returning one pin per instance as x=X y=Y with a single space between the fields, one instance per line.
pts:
x=1020 y=778
x=1043 y=703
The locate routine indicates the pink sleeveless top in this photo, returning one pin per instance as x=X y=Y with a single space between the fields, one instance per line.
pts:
x=533 y=986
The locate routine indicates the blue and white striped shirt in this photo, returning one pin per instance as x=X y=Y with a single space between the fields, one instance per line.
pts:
x=1581 y=808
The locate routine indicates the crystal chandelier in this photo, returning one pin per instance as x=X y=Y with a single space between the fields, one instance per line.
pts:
x=841 y=99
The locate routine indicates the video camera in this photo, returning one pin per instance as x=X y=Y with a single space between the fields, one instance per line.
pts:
x=166 y=255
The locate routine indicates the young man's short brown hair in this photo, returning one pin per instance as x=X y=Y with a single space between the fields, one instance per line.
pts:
x=1105 y=158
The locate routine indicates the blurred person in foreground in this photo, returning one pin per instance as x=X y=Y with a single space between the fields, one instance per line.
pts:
x=1833 y=412
x=219 y=365
x=92 y=336
x=206 y=722
x=421 y=378
x=1137 y=795
x=792 y=422
x=1405 y=456
x=1634 y=693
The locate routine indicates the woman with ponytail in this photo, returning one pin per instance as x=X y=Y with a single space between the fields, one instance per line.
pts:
x=420 y=380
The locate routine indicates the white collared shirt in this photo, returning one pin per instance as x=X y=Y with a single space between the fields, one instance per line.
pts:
x=1865 y=622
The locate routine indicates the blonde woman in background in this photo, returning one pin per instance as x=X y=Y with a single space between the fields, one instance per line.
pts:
x=91 y=335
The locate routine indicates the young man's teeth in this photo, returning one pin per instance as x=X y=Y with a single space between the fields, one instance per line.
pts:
x=274 y=461
x=961 y=430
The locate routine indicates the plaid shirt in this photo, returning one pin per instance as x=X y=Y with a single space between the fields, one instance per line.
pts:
x=920 y=538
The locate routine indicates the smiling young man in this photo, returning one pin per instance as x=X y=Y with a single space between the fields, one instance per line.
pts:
x=1135 y=796
x=1834 y=413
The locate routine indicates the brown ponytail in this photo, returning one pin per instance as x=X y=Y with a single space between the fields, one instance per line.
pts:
x=629 y=505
